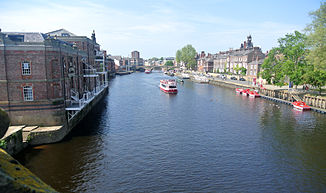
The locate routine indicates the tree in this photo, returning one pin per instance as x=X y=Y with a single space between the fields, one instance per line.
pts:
x=271 y=67
x=243 y=71
x=286 y=62
x=169 y=63
x=316 y=78
x=178 y=56
x=317 y=38
x=293 y=48
x=187 y=55
x=237 y=69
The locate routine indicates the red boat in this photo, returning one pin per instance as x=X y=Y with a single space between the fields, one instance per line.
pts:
x=169 y=86
x=238 y=90
x=245 y=92
x=300 y=105
x=147 y=71
x=253 y=93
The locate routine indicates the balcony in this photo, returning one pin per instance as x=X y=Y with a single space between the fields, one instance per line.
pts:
x=90 y=73
x=76 y=104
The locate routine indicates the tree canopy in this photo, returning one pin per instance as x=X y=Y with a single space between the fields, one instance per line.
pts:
x=287 y=61
x=187 y=55
x=317 y=38
x=169 y=63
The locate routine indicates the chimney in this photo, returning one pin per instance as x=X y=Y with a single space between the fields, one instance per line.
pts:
x=244 y=44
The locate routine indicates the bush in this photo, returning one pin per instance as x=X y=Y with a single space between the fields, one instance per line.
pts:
x=4 y=122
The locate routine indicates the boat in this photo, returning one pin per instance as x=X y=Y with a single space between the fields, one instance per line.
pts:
x=200 y=79
x=169 y=86
x=301 y=105
x=185 y=76
x=147 y=71
x=180 y=80
x=245 y=92
x=238 y=90
x=253 y=93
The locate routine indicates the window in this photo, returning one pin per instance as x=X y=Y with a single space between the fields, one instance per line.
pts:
x=28 y=93
x=26 y=68
x=16 y=38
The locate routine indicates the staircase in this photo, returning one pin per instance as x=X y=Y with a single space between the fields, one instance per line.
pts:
x=296 y=97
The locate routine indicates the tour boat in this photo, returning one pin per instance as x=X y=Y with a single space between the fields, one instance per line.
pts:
x=253 y=93
x=238 y=90
x=169 y=86
x=147 y=71
x=245 y=92
x=300 y=105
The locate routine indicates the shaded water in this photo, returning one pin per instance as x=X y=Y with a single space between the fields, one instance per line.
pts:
x=204 y=139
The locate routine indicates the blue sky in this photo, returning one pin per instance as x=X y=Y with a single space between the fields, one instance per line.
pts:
x=160 y=27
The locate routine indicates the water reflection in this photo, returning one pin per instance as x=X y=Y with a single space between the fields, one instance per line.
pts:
x=204 y=139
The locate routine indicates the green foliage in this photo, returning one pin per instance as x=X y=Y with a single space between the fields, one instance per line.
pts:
x=237 y=69
x=187 y=55
x=178 y=56
x=316 y=78
x=317 y=38
x=243 y=71
x=4 y=122
x=286 y=62
x=169 y=63
x=3 y=144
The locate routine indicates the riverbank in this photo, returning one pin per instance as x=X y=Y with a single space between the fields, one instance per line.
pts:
x=270 y=92
x=283 y=96
x=19 y=137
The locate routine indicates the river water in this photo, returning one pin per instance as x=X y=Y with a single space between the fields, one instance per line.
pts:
x=204 y=139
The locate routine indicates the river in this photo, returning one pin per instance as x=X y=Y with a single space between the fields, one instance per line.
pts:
x=204 y=139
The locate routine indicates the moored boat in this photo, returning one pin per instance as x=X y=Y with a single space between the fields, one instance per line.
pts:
x=185 y=76
x=245 y=92
x=201 y=79
x=238 y=90
x=147 y=71
x=169 y=86
x=301 y=105
x=253 y=93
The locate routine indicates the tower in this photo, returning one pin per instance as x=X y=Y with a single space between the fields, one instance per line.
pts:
x=249 y=42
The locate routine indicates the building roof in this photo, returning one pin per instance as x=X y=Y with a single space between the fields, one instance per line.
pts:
x=25 y=36
x=60 y=32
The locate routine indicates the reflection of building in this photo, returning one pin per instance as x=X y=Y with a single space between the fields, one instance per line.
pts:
x=49 y=78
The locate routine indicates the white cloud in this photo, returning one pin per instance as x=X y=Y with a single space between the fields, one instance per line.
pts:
x=158 y=31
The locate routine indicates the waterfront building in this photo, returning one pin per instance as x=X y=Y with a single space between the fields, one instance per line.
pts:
x=47 y=79
x=228 y=61
x=205 y=63
x=135 y=59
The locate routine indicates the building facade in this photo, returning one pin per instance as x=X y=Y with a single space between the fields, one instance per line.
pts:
x=232 y=60
x=47 y=79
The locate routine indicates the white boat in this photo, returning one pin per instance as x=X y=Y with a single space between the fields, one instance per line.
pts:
x=201 y=79
x=147 y=71
x=185 y=76
x=169 y=86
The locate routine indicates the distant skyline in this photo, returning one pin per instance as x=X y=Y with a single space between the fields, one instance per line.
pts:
x=159 y=28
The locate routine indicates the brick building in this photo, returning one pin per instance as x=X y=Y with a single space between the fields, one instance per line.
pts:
x=47 y=78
